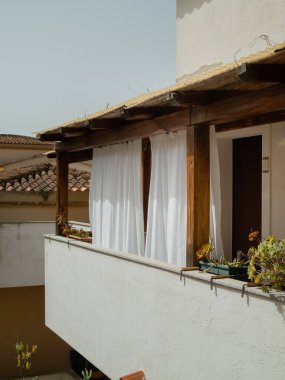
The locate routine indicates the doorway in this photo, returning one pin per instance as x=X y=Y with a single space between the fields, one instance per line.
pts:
x=247 y=190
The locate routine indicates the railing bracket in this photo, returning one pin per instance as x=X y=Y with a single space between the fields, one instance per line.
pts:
x=217 y=277
x=187 y=269
x=247 y=285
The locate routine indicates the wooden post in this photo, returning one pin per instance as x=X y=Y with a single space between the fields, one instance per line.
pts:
x=62 y=192
x=198 y=189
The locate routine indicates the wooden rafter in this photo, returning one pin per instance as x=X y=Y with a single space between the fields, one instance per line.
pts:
x=189 y=98
x=273 y=73
x=142 y=129
x=72 y=132
x=268 y=118
x=267 y=100
x=230 y=107
x=72 y=157
x=79 y=156
x=51 y=154
x=144 y=113
x=53 y=136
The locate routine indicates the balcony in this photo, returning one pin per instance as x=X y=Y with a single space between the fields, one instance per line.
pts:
x=123 y=313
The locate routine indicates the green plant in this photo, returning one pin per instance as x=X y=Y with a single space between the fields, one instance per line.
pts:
x=267 y=262
x=205 y=254
x=86 y=375
x=79 y=232
x=23 y=357
x=68 y=229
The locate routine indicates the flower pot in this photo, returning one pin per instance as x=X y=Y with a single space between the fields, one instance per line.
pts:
x=238 y=273
x=87 y=239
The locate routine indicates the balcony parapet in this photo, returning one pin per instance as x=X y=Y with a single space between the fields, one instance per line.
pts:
x=123 y=313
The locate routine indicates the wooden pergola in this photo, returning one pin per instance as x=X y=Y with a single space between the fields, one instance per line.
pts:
x=240 y=95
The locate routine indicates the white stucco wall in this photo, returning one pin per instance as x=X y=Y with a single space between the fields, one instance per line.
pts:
x=210 y=32
x=126 y=314
x=22 y=253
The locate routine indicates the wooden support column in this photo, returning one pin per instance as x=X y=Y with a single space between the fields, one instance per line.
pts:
x=198 y=189
x=62 y=192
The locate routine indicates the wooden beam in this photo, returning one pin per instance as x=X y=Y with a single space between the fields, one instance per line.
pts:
x=51 y=154
x=62 y=192
x=71 y=157
x=273 y=73
x=198 y=190
x=70 y=133
x=79 y=156
x=144 y=113
x=243 y=106
x=142 y=129
x=105 y=123
x=166 y=103
x=188 y=98
x=79 y=129
x=50 y=136
x=269 y=118
x=267 y=100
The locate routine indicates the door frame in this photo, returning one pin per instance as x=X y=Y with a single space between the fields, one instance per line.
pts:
x=265 y=132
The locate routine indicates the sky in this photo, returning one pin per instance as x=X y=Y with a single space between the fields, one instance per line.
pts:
x=64 y=59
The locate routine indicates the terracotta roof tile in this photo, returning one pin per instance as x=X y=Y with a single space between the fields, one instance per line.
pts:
x=41 y=178
x=22 y=140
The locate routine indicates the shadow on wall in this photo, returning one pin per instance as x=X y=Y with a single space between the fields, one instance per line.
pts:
x=185 y=6
x=23 y=314
x=201 y=70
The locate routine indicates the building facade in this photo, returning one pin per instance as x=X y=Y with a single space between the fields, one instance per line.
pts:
x=126 y=311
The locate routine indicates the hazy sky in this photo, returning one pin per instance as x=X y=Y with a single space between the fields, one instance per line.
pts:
x=62 y=59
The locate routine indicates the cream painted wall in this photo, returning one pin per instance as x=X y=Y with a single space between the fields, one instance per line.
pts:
x=31 y=206
x=15 y=153
x=124 y=313
x=209 y=33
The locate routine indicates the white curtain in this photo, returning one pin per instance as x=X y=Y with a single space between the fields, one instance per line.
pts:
x=116 y=210
x=166 y=227
x=215 y=195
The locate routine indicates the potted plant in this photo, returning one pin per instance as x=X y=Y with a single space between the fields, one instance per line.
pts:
x=77 y=233
x=208 y=263
x=267 y=262
x=68 y=230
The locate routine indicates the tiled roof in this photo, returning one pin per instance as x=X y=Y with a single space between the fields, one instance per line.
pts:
x=22 y=140
x=41 y=178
